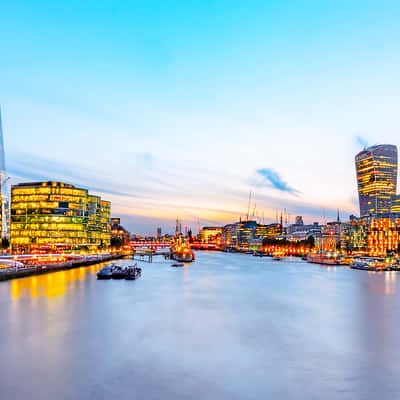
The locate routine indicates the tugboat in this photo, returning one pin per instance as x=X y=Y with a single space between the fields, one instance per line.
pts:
x=133 y=272
x=105 y=273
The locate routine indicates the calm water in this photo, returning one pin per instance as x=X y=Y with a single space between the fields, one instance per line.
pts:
x=229 y=326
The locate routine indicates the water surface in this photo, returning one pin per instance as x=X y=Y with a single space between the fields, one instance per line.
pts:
x=229 y=326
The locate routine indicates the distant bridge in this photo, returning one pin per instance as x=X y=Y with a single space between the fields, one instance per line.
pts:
x=155 y=245
x=148 y=244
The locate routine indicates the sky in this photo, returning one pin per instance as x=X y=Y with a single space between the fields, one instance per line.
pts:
x=181 y=108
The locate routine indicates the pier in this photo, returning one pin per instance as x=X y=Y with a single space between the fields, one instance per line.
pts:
x=147 y=255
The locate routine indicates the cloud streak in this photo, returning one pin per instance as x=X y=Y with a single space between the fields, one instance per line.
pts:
x=271 y=178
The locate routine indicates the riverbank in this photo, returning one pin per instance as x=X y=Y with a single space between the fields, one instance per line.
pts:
x=29 y=270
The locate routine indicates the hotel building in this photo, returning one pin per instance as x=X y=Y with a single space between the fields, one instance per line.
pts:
x=376 y=169
x=54 y=216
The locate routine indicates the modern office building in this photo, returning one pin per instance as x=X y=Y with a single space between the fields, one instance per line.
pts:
x=395 y=206
x=54 y=216
x=209 y=234
x=376 y=169
x=98 y=222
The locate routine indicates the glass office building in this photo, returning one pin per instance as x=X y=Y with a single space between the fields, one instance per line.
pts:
x=55 y=216
x=376 y=169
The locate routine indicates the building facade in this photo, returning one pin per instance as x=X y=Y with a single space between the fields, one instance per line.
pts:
x=54 y=216
x=210 y=234
x=376 y=169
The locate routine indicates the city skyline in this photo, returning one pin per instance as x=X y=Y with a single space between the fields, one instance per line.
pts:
x=163 y=124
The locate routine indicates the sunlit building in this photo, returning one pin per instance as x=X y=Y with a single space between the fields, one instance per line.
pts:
x=54 y=216
x=376 y=169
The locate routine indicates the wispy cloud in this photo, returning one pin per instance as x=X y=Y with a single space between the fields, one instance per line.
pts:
x=272 y=179
x=361 y=141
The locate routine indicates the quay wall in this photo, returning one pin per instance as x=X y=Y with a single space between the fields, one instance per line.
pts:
x=29 y=270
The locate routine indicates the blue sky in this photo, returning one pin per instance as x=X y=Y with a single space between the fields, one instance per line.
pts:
x=181 y=108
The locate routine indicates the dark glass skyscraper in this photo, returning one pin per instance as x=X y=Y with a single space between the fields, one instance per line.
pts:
x=376 y=169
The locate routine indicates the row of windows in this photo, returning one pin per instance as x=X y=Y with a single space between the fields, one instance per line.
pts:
x=48 y=190
x=50 y=234
x=47 y=197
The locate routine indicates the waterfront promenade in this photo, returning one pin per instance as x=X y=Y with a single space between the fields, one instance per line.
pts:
x=228 y=326
x=43 y=264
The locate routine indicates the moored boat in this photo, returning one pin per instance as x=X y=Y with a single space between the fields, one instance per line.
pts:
x=362 y=265
x=323 y=258
x=277 y=256
x=133 y=272
x=118 y=272
x=105 y=273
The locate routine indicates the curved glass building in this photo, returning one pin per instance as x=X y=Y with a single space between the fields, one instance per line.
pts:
x=53 y=216
x=376 y=169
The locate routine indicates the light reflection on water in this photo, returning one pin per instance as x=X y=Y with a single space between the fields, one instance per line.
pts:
x=229 y=326
x=49 y=285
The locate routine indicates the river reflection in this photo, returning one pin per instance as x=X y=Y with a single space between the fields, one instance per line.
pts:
x=49 y=285
x=228 y=326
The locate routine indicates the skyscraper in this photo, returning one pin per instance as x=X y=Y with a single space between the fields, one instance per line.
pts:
x=3 y=185
x=376 y=169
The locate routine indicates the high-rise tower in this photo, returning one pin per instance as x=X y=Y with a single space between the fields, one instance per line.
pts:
x=376 y=169
x=3 y=185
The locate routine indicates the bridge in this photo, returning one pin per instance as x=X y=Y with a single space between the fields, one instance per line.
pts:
x=148 y=244
x=155 y=245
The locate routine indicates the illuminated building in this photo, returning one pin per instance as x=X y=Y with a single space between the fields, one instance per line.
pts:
x=52 y=216
x=119 y=235
x=270 y=231
x=395 y=205
x=209 y=234
x=330 y=236
x=370 y=236
x=226 y=236
x=246 y=232
x=383 y=237
x=376 y=169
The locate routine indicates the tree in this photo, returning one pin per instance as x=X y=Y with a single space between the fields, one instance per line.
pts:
x=5 y=243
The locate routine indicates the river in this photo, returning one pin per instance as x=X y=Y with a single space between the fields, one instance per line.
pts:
x=228 y=326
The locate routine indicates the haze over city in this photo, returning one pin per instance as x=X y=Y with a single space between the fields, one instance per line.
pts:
x=171 y=109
